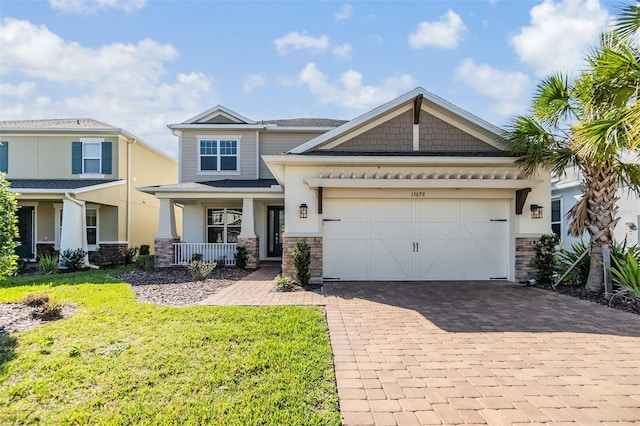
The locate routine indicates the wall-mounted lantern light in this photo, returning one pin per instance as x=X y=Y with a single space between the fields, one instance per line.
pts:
x=536 y=211
x=303 y=211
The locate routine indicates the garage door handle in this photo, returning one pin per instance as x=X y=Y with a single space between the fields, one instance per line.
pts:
x=498 y=220
x=331 y=220
x=417 y=247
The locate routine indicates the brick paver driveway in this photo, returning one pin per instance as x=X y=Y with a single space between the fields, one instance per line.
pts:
x=483 y=352
x=496 y=353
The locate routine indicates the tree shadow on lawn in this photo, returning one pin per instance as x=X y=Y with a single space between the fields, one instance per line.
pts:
x=492 y=306
x=8 y=346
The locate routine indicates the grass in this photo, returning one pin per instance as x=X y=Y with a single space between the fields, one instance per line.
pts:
x=116 y=361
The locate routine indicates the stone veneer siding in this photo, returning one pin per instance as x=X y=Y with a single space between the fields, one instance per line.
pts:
x=288 y=244
x=252 y=244
x=525 y=258
x=164 y=251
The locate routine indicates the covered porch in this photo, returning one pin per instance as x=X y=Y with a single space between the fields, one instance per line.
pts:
x=217 y=218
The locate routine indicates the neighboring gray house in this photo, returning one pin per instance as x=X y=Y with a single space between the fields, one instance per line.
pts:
x=565 y=192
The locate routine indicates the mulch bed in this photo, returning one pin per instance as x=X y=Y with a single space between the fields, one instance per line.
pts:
x=174 y=286
x=582 y=293
x=165 y=286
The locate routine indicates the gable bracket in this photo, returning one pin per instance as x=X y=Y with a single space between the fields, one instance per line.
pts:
x=521 y=198
x=417 y=107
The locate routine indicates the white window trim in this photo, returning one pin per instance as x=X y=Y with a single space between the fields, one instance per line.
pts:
x=560 y=222
x=93 y=247
x=224 y=226
x=57 y=218
x=218 y=138
x=91 y=141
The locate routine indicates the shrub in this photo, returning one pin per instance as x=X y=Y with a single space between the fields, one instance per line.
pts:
x=51 y=310
x=108 y=255
x=241 y=257
x=146 y=262
x=301 y=260
x=626 y=272
x=128 y=255
x=200 y=270
x=72 y=260
x=565 y=258
x=545 y=258
x=284 y=284
x=196 y=257
x=48 y=264
x=144 y=250
x=35 y=300
x=8 y=229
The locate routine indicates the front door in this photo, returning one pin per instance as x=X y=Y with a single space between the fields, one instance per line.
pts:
x=275 y=229
x=25 y=229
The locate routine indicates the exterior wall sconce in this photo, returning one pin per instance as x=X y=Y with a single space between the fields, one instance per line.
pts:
x=536 y=211
x=303 y=211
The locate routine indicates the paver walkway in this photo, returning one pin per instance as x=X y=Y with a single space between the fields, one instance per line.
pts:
x=470 y=352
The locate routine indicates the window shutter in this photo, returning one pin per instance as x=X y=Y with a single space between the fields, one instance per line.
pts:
x=76 y=158
x=4 y=157
x=106 y=158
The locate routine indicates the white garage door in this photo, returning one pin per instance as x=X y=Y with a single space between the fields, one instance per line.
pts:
x=416 y=239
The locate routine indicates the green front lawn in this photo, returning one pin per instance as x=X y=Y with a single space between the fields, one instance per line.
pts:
x=116 y=361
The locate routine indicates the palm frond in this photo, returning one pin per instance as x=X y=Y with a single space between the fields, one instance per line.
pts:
x=628 y=21
x=551 y=102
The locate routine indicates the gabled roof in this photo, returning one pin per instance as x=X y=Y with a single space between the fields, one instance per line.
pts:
x=492 y=132
x=219 y=109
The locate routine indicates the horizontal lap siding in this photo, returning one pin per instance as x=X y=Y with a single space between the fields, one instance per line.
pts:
x=278 y=143
x=189 y=155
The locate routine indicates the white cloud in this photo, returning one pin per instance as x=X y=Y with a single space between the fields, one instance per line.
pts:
x=560 y=34
x=85 y=7
x=253 y=81
x=345 y=12
x=19 y=90
x=296 y=41
x=342 y=51
x=445 y=33
x=508 y=89
x=349 y=92
x=122 y=84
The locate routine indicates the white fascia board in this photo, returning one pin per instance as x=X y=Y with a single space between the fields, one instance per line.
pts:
x=389 y=106
x=160 y=190
x=222 y=109
x=187 y=126
x=565 y=185
x=212 y=195
x=321 y=160
x=423 y=183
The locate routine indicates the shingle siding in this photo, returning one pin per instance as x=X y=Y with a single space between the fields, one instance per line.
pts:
x=278 y=143
x=437 y=135
x=246 y=154
x=395 y=135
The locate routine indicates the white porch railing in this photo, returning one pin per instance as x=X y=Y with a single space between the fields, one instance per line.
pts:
x=211 y=252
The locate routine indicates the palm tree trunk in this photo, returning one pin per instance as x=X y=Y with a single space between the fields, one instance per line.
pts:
x=595 y=280
x=599 y=218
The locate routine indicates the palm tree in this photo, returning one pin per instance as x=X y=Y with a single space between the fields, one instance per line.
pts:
x=590 y=124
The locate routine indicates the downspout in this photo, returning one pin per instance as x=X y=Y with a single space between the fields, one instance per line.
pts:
x=128 y=208
x=83 y=225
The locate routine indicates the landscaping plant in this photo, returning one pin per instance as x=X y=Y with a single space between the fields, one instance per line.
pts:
x=545 y=258
x=128 y=255
x=8 y=229
x=284 y=284
x=72 y=260
x=144 y=250
x=301 y=261
x=241 y=257
x=200 y=270
x=48 y=264
x=146 y=262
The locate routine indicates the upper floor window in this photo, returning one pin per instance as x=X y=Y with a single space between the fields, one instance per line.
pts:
x=556 y=217
x=218 y=155
x=91 y=157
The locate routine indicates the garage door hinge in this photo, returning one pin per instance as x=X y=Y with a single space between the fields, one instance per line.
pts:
x=331 y=220
x=498 y=220
x=498 y=278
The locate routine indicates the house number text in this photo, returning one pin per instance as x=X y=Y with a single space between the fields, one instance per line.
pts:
x=418 y=194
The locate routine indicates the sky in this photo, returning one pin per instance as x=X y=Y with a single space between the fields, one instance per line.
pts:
x=143 y=64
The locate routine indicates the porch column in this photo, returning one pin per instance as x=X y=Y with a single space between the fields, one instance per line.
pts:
x=167 y=235
x=248 y=238
x=72 y=234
